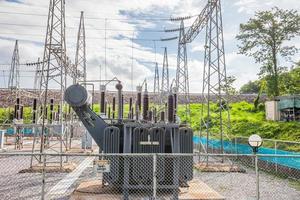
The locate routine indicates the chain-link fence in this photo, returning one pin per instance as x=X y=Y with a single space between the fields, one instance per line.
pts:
x=150 y=176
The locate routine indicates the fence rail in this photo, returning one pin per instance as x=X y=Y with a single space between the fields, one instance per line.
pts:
x=148 y=176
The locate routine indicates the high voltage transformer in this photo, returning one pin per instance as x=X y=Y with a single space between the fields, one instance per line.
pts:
x=134 y=136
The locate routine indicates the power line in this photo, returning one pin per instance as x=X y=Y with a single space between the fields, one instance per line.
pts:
x=147 y=18
x=90 y=28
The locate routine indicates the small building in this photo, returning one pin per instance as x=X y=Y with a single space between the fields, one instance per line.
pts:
x=283 y=108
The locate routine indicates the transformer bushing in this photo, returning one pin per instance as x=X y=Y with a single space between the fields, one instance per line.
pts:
x=102 y=99
x=34 y=110
x=145 y=105
x=51 y=109
x=139 y=98
x=170 y=108
x=130 y=115
x=175 y=92
x=120 y=107
x=114 y=107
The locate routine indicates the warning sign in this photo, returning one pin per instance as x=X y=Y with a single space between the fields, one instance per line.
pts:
x=102 y=166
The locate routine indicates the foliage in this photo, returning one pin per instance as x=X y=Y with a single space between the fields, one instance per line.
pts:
x=263 y=37
x=228 y=86
x=246 y=120
x=252 y=87
x=289 y=82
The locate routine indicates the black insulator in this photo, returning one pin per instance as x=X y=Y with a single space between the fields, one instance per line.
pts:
x=15 y=112
x=155 y=115
x=122 y=110
x=21 y=112
x=175 y=104
x=18 y=101
x=41 y=110
x=162 y=116
x=34 y=107
x=136 y=112
x=150 y=115
x=108 y=113
x=58 y=112
x=51 y=109
x=34 y=104
x=131 y=113
x=139 y=101
x=105 y=108
x=145 y=106
x=130 y=108
x=51 y=104
x=170 y=108
x=114 y=107
x=46 y=112
x=102 y=102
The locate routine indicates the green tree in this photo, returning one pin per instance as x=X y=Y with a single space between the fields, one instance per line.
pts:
x=263 y=37
x=289 y=82
x=252 y=87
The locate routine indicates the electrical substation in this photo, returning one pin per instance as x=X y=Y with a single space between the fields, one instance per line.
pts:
x=112 y=143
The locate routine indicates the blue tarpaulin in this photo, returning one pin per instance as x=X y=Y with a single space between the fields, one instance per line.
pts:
x=230 y=147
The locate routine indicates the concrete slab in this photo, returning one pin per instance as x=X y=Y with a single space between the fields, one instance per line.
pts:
x=51 y=167
x=92 y=190
x=219 y=167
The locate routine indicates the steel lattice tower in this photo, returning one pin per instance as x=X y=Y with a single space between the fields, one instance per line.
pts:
x=182 y=76
x=156 y=83
x=80 y=57
x=14 y=78
x=214 y=76
x=165 y=77
x=54 y=70
x=14 y=74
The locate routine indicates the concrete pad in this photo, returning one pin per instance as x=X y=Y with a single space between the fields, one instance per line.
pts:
x=51 y=167
x=219 y=167
x=92 y=190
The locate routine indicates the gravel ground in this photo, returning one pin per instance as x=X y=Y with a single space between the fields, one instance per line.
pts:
x=242 y=186
x=233 y=186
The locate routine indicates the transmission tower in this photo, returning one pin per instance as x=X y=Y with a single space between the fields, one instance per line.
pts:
x=80 y=57
x=54 y=70
x=165 y=77
x=214 y=76
x=182 y=76
x=156 y=83
x=14 y=74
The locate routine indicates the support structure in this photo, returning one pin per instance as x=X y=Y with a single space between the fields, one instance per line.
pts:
x=14 y=74
x=54 y=71
x=214 y=76
x=182 y=76
x=156 y=84
x=80 y=57
x=165 y=78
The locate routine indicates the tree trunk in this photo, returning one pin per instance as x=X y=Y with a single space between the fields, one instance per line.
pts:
x=276 y=87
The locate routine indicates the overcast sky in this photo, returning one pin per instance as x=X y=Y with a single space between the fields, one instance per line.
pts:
x=25 y=20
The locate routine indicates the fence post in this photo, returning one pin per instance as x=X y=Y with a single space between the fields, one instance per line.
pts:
x=257 y=177
x=154 y=175
x=43 y=177
x=276 y=166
